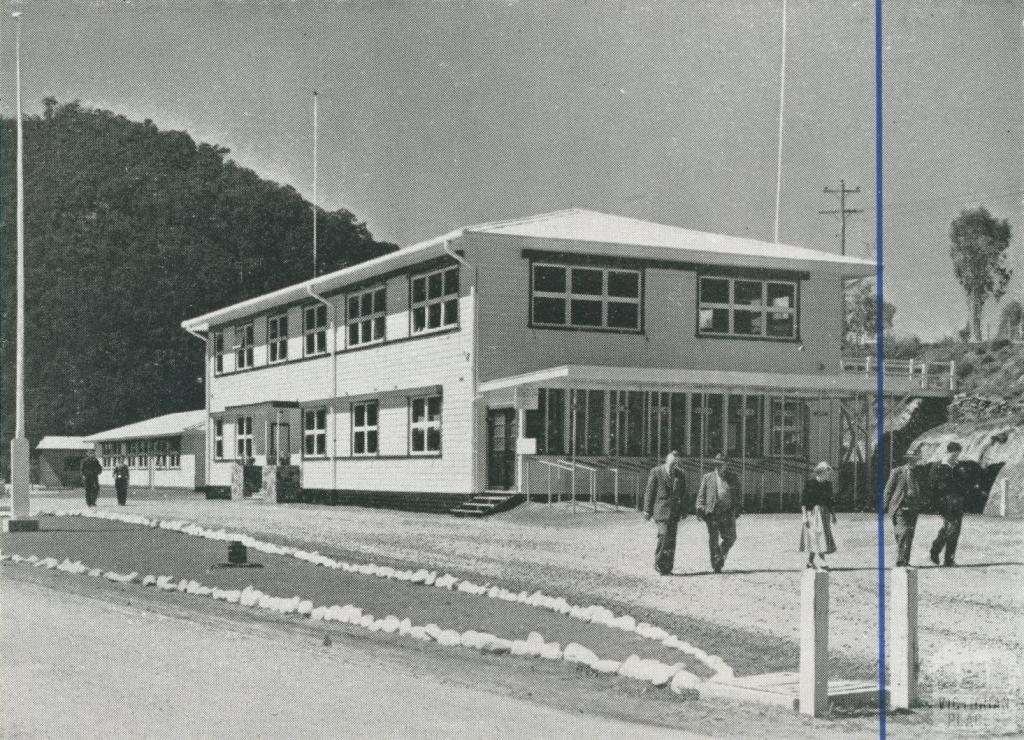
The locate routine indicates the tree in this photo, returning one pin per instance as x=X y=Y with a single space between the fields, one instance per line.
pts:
x=1011 y=320
x=862 y=313
x=979 y=245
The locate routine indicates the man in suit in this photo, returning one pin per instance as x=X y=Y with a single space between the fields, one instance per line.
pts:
x=903 y=502
x=665 y=502
x=121 y=476
x=719 y=503
x=91 y=469
x=948 y=487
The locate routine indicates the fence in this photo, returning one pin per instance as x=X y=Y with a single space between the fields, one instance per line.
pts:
x=935 y=375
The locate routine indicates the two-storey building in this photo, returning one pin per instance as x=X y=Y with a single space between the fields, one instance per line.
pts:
x=563 y=351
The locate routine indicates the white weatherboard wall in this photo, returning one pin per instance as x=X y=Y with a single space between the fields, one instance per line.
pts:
x=390 y=372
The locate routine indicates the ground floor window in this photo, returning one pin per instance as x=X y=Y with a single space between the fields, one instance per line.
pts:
x=547 y=423
x=314 y=432
x=218 y=439
x=425 y=425
x=243 y=438
x=364 y=428
x=588 y=422
x=789 y=427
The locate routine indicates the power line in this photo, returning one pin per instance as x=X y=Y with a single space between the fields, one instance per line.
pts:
x=842 y=211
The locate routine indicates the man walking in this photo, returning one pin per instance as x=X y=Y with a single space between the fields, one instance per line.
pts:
x=91 y=469
x=719 y=503
x=903 y=502
x=665 y=502
x=121 y=475
x=948 y=488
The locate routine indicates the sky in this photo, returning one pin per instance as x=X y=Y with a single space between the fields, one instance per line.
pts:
x=435 y=115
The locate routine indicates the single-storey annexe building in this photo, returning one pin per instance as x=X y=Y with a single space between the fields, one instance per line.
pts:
x=163 y=452
x=59 y=461
x=566 y=351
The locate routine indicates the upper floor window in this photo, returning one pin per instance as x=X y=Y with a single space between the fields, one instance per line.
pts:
x=218 y=352
x=747 y=308
x=277 y=337
x=315 y=432
x=585 y=297
x=364 y=428
x=243 y=437
x=425 y=426
x=245 y=339
x=435 y=300
x=366 y=312
x=218 y=439
x=314 y=328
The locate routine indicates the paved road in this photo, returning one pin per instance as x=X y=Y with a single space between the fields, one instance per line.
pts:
x=90 y=669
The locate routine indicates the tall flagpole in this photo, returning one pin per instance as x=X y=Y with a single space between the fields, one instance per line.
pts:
x=782 y=104
x=315 y=122
x=20 y=482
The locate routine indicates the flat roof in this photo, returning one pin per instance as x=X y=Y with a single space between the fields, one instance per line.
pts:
x=168 y=425
x=618 y=235
x=56 y=442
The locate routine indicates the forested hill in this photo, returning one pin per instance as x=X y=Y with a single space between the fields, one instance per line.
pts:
x=130 y=230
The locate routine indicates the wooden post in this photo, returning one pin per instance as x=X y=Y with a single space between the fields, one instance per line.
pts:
x=814 y=643
x=903 y=639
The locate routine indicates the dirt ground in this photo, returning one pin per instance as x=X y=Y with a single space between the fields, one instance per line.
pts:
x=967 y=611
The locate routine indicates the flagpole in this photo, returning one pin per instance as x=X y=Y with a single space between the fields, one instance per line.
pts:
x=782 y=103
x=20 y=481
x=315 y=158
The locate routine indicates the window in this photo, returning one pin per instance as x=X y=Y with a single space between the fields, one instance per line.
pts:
x=588 y=421
x=425 y=426
x=586 y=297
x=243 y=437
x=747 y=308
x=366 y=316
x=547 y=423
x=315 y=432
x=789 y=427
x=174 y=453
x=364 y=428
x=277 y=337
x=626 y=423
x=435 y=300
x=314 y=329
x=218 y=439
x=706 y=424
x=245 y=338
x=218 y=352
x=161 y=454
x=743 y=429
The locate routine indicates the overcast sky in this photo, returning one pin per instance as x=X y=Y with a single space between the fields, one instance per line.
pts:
x=443 y=114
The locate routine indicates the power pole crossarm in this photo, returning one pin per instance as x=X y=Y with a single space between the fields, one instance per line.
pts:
x=842 y=191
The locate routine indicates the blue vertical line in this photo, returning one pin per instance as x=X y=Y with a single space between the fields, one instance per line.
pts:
x=880 y=372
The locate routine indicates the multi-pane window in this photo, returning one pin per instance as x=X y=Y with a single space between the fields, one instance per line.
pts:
x=218 y=439
x=160 y=448
x=243 y=437
x=277 y=337
x=314 y=432
x=747 y=308
x=586 y=297
x=743 y=425
x=314 y=329
x=218 y=351
x=789 y=427
x=245 y=340
x=626 y=423
x=366 y=311
x=547 y=423
x=174 y=453
x=364 y=428
x=425 y=425
x=587 y=421
x=435 y=300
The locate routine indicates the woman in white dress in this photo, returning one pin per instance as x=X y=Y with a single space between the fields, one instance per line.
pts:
x=816 y=504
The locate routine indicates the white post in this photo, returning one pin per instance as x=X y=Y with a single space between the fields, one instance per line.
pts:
x=903 y=639
x=814 y=643
x=616 y=489
x=952 y=375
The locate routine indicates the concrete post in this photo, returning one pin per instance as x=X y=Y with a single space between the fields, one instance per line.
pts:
x=814 y=643
x=903 y=639
x=19 y=519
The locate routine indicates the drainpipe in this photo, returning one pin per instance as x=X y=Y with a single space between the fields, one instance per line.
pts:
x=474 y=271
x=208 y=437
x=334 y=384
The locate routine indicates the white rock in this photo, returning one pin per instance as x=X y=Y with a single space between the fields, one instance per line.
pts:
x=318 y=613
x=684 y=680
x=534 y=638
x=498 y=645
x=606 y=666
x=449 y=638
x=390 y=624
x=551 y=651
x=305 y=607
x=405 y=626
x=433 y=631
x=149 y=581
x=629 y=666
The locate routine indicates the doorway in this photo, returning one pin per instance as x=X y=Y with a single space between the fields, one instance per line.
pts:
x=501 y=449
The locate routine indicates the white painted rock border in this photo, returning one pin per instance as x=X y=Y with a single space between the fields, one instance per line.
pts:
x=593 y=613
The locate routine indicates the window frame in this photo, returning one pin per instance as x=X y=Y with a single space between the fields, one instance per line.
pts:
x=218 y=439
x=243 y=438
x=605 y=298
x=245 y=343
x=372 y=318
x=316 y=433
x=218 y=352
x=427 y=302
x=763 y=309
x=277 y=342
x=365 y=428
x=315 y=331
x=426 y=425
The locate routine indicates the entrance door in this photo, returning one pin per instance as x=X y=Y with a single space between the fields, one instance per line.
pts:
x=501 y=448
x=279 y=439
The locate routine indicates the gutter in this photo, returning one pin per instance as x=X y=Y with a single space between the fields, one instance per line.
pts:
x=474 y=442
x=334 y=382
x=208 y=437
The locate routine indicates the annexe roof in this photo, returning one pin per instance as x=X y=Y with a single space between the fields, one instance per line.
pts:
x=168 y=425
x=54 y=442
x=569 y=229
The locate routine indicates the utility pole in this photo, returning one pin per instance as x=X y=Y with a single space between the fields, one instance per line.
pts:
x=842 y=192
